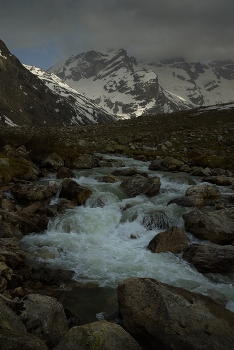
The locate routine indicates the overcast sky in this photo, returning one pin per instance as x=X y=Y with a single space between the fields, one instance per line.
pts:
x=42 y=32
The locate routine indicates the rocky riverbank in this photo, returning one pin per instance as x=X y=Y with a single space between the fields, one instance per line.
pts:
x=34 y=321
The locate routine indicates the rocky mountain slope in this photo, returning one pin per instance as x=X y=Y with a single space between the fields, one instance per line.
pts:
x=27 y=100
x=122 y=86
x=115 y=81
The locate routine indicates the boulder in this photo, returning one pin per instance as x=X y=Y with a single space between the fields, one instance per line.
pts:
x=188 y=201
x=203 y=191
x=63 y=173
x=11 y=253
x=73 y=191
x=167 y=164
x=128 y=172
x=173 y=318
x=9 y=320
x=210 y=258
x=51 y=161
x=221 y=180
x=13 y=340
x=44 y=317
x=30 y=192
x=98 y=335
x=108 y=179
x=138 y=184
x=84 y=161
x=216 y=226
x=173 y=240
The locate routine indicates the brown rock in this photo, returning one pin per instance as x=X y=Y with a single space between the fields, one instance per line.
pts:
x=73 y=191
x=217 y=226
x=173 y=240
x=138 y=184
x=211 y=258
x=174 y=318
x=98 y=335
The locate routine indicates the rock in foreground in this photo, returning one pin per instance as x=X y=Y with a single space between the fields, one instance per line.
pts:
x=98 y=335
x=173 y=318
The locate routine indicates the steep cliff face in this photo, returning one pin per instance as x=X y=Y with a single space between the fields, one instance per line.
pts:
x=28 y=99
x=116 y=82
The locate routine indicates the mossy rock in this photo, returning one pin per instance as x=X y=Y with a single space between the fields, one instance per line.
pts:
x=18 y=167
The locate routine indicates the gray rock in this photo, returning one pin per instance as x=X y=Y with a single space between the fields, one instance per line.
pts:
x=173 y=318
x=9 y=320
x=138 y=184
x=98 y=335
x=52 y=161
x=211 y=258
x=167 y=163
x=73 y=191
x=44 y=317
x=13 y=340
x=217 y=226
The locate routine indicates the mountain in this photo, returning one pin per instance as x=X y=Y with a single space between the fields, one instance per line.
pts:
x=113 y=80
x=40 y=100
x=124 y=87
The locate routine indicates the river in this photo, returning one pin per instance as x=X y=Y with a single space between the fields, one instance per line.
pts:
x=105 y=241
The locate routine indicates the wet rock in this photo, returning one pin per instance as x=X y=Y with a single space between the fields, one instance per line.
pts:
x=173 y=318
x=138 y=184
x=63 y=173
x=217 y=226
x=51 y=161
x=199 y=171
x=73 y=191
x=44 y=317
x=13 y=255
x=85 y=161
x=203 y=191
x=108 y=179
x=221 y=180
x=13 y=340
x=29 y=193
x=9 y=320
x=167 y=163
x=173 y=240
x=128 y=172
x=8 y=230
x=188 y=201
x=98 y=335
x=211 y=258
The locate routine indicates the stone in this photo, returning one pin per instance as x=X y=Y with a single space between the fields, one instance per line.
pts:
x=108 y=179
x=167 y=164
x=52 y=161
x=173 y=240
x=138 y=184
x=188 y=201
x=4 y=162
x=9 y=320
x=210 y=258
x=101 y=335
x=169 y=317
x=44 y=317
x=203 y=191
x=216 y=226
x=85 y=161
x=13 y=340
x=221 y=180
x=63 y=173
x=73 y=191
x=128 y=172
x=29 y=193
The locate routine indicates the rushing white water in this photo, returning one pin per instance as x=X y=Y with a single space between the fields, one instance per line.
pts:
x=105 y=240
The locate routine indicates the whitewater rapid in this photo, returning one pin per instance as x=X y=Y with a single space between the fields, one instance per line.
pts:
x=105 y=240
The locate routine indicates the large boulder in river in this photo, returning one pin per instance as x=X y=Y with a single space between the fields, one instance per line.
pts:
x=98 y=335
x=51 y=161
x=167 y=163
x=211 y=258
x=44 y=317
x=155 y=219
x=173 y=318
x=84 y=161
x=138 y=184
x=216 y=226
x=204 y=191
x=73 y=191
x=173 y=240
x=30 y=192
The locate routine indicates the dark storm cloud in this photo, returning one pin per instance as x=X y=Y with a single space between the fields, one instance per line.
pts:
x=195 y=30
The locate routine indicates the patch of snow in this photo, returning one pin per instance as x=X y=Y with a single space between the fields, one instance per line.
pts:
x=9 y=121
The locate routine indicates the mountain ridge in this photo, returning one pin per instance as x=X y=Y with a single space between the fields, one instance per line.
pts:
x=111 y=76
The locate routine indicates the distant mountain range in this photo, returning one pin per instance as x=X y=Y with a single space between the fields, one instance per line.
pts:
x=124 y=87
x=96 y=87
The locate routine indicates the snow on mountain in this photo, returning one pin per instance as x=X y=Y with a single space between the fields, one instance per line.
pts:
x=85 y=111
x=199 y=84
x=113 y=80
